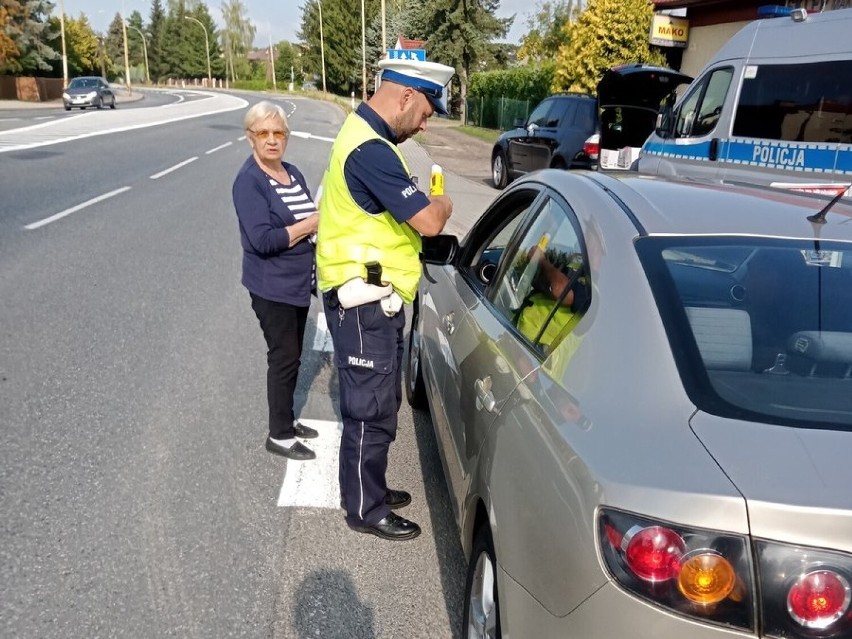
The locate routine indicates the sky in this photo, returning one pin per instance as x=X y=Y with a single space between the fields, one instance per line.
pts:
x=279 y=19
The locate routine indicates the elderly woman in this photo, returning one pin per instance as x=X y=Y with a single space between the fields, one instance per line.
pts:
x=277 y=219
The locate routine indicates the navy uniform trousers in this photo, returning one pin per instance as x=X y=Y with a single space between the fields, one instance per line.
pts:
x=368 y=347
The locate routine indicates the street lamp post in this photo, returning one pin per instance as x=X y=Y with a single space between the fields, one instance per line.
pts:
x=207 y=49
x=144 y=52
x=126 y=56
x=62 y=33
x=322 y=47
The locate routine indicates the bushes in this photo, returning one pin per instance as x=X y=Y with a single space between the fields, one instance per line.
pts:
x=531 y=82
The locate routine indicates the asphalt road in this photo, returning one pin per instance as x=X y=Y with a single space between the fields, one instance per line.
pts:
x=136 y=498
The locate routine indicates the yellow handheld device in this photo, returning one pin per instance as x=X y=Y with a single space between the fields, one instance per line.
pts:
x=436 y=186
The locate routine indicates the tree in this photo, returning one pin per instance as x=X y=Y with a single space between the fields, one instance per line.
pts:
x=81 y=47
x=546 y=29
x=237 y=39
x=26 y=31
x=157 y=66
x=287 y=60
x=342 y=39
x=460 y=34
x=607 y=33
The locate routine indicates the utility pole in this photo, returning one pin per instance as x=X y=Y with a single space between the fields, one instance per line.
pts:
x=62 y=33
x=126 y=56
x=271 y=59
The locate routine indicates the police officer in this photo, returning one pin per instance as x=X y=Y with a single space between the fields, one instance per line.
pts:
x=372 y=217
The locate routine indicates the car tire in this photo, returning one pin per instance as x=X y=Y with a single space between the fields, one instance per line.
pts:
x=558 y=163
x=99 y=104
x=415 y=387
x=499 y=170
x=481 y=605
x=67 y=108
x=112 y=104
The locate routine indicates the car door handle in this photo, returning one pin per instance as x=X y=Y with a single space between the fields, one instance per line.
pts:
x=484 y=394
x=449 y=324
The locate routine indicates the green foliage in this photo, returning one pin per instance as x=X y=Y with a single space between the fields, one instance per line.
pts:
x=546 y=29
x=26 y=30
x=530 y=82
x=607 y=33
x=287 y=62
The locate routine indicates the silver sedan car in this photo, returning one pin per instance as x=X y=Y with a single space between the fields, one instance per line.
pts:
x=642 y=396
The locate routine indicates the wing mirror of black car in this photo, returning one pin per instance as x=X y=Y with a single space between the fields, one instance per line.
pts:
x=665 y=122
x=519 y=123
x=440 y=249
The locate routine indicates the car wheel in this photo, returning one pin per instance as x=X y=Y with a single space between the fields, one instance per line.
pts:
x=481 y=605
x=99 y=104
x=558 y=163
x=415 y=387
x=112 y=104
x=499 y=173
x=67 y=108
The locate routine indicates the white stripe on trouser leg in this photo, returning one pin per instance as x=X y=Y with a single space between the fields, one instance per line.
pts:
x=361 y=442
x=360 y=482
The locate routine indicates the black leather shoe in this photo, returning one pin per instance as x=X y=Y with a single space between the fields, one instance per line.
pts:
x=297 y=451
x=393 y=499
x=397 y=499
x=305 y=432
x=392 y=527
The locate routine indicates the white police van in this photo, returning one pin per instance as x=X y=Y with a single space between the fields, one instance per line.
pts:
x=774 y=106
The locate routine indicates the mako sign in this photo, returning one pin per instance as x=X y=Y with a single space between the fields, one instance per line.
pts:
x=668 y=31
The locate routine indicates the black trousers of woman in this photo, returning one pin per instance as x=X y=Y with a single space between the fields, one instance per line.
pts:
x=284 y=329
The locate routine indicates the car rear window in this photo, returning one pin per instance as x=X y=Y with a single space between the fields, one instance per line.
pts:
x=761 y=329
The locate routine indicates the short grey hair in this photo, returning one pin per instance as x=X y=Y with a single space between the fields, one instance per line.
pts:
x=263 y=110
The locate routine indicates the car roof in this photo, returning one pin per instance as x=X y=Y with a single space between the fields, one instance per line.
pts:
x=662 y=205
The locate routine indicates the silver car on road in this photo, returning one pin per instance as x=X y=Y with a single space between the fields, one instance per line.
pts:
x=642 y=395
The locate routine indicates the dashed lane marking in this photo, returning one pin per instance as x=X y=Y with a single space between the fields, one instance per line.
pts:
x=315 y=483
x=218 y=148
x=74 y=209
x=157 y=176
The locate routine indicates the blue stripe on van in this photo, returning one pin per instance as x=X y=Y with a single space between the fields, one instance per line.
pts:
x=800 y=157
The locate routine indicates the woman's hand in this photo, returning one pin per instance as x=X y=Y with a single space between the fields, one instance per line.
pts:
x=303 y=228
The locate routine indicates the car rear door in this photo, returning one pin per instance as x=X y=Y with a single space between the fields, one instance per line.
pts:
x=555 y=129
x=521 y=148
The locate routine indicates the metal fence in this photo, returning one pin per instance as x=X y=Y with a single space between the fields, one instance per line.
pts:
x=495 y=113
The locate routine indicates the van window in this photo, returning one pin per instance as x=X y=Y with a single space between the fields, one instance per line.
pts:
x=797 y=102
x=700 y=110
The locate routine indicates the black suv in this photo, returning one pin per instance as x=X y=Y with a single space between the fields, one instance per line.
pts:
x=553 y=136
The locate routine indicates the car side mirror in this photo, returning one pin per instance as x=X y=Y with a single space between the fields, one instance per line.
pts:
x=440 y=249
x=665 y=122
x=519 y=123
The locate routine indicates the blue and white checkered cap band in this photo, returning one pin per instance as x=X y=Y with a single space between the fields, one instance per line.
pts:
x=430 y=89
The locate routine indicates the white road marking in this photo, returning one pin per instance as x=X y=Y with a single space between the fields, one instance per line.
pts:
x=74 y=209
x=9 y=119
x=157 y=176
x=315 y=483
x=322 y=338
x=218 y=148
x=307 y=136
x=45 y=117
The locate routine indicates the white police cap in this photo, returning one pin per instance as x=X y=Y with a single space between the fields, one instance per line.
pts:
x=429 y=78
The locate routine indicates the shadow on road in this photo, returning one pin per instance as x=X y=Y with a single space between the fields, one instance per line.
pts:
x=327 y=605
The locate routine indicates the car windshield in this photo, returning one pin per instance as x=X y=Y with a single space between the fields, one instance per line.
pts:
x=761 y=329
x=83 y=83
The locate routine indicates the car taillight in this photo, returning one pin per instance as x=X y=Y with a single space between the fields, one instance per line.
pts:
x=805 y=592
x=818 y=599
x=653 y=553
x=696 y=573
x=592 y=147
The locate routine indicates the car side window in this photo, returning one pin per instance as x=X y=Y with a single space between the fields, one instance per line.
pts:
x=562 y=111
x=539 y=116
x=699 y=112
x=492 y=234
x=542 y=289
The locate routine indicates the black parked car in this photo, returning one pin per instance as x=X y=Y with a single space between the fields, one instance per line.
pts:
x=88 y=91
x=552 y=137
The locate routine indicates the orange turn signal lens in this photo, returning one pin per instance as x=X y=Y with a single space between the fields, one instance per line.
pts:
x=706 y=577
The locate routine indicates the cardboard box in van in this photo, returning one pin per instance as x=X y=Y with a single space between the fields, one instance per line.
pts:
x=773 y=107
